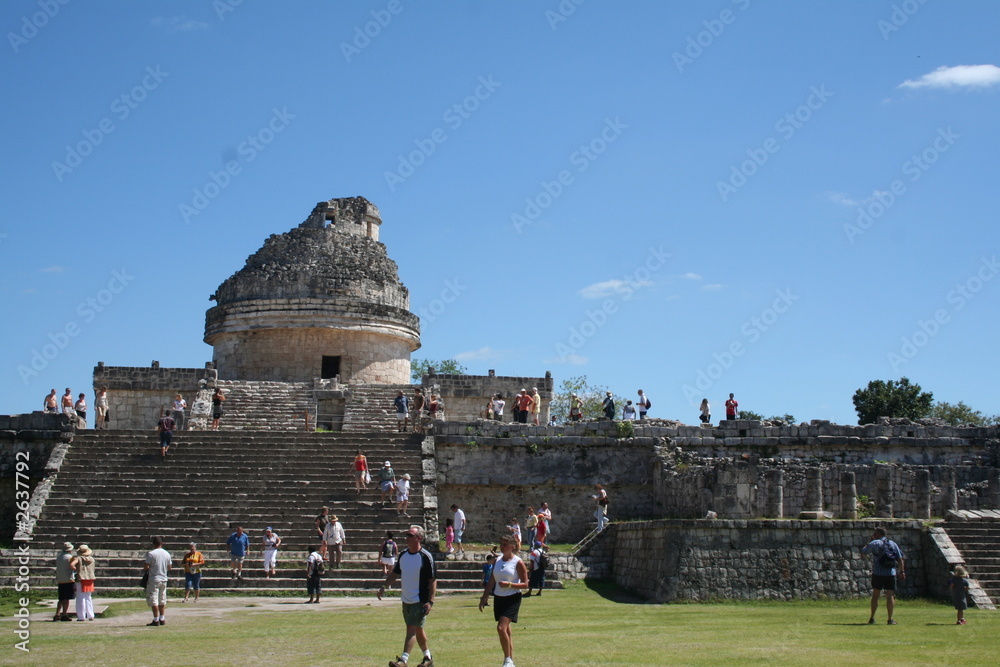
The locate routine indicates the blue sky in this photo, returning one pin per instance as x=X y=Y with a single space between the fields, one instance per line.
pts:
x=784 y=201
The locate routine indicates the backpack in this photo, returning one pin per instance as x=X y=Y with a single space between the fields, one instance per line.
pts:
x=890 y=554
x=388 y=547
x=318 y=569
x=649 y=403
x=543 y=561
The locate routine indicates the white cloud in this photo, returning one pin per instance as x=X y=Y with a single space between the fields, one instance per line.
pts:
x=178 y=24
x=960 y=76
x=691 y=276
x=841 y=198
x=714 y=287
x=608 y=288
x=482 y=354
x=54 y=269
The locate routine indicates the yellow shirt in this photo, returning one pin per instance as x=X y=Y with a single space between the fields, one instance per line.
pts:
x=193 y=562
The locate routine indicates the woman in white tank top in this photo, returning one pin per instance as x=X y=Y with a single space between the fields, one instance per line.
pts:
x=509 y=578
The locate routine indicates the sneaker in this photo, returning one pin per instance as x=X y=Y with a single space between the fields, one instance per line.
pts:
x=154 y=624
x=891 y=621
x=508 y=662
x=398 y=662
x=426 y=662
x=163 y=622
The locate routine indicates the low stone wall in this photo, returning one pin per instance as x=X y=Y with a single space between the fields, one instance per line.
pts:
x=466 y=396
x=27 y=443
x=137 y=396
x=671 y=560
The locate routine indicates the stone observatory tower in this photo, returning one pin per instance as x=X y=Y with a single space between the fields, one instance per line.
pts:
x=320 y=301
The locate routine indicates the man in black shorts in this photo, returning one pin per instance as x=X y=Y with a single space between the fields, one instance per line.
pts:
x=415 y=569
x=886 y=558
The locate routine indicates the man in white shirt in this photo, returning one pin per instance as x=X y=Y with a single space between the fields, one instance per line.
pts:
x=418 y=584
x=334 y=539
x=459 y=528
x=158 y=567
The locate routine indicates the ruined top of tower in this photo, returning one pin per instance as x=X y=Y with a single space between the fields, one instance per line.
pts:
x=323 y=299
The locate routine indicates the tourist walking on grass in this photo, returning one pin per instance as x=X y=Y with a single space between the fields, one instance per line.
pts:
x=510 y=577
x=165 y=427
x=601 y=513
x=270 y=542
x=193 y=560
x=335 y=539
x=539 y=563
x=361 y=474
x=531 y=525
x=84 y=566
x=239 y=549
x=218 y=398
x=887 y=559
x=959 y=587
x=460 y=525
x=314 y=576
x=158 y=570
x=64 y=578
x=544 y=523
x=515 y=530
x=415 y=569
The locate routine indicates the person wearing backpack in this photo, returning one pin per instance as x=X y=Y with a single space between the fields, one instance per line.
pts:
x=887 y=560
x=387 y=552
x=314 y=576
x=539 y=563
x=644 y=405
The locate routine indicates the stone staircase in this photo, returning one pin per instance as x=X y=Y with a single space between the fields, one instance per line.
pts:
x=114 y=492
x=267 y=406
x=370 y=407
x=979 y=543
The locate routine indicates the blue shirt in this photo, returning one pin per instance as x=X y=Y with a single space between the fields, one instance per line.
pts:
x=875 y=548
x=402 y=404
x=238 y=544
x=487 y=573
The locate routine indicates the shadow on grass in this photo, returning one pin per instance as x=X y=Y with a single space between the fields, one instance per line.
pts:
x=613 y=592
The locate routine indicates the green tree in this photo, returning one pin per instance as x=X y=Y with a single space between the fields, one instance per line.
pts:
x=785 y=418
x=891 y=399
x=749 y=414
x=591 y=395
x=960 y=413
x=420 y=367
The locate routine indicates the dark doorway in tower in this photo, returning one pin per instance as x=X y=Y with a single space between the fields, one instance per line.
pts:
x=331 y=368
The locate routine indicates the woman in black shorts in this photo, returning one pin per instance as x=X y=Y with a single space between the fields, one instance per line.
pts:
x=509 y=578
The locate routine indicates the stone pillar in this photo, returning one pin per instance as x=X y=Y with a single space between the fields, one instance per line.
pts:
x=814 y=495
x=993 y=490
x=848 y=496
x=774 y=507
x=950 y=490
x=883 y=491
x=922 y=510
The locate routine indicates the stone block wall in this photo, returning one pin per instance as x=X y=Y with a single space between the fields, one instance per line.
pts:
x=296 y=354
x=496 y=471
x=26 y=445
x=672 y=560
x=137 y=396
x=466 y=396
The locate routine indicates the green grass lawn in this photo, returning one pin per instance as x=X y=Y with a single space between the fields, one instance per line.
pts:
x=582 y=625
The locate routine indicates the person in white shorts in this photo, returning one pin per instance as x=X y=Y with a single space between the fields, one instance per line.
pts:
x=271 y=542
x=403 y=495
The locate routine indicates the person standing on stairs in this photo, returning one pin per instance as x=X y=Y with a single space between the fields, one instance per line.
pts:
x=361 y=474
x=402 y=404
x=335 y=539
x=270 y=542
x=416 y=408
x=386 y=480
x=179 y=405
x=165 y=427
x=239 y=548
x=322 y=519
